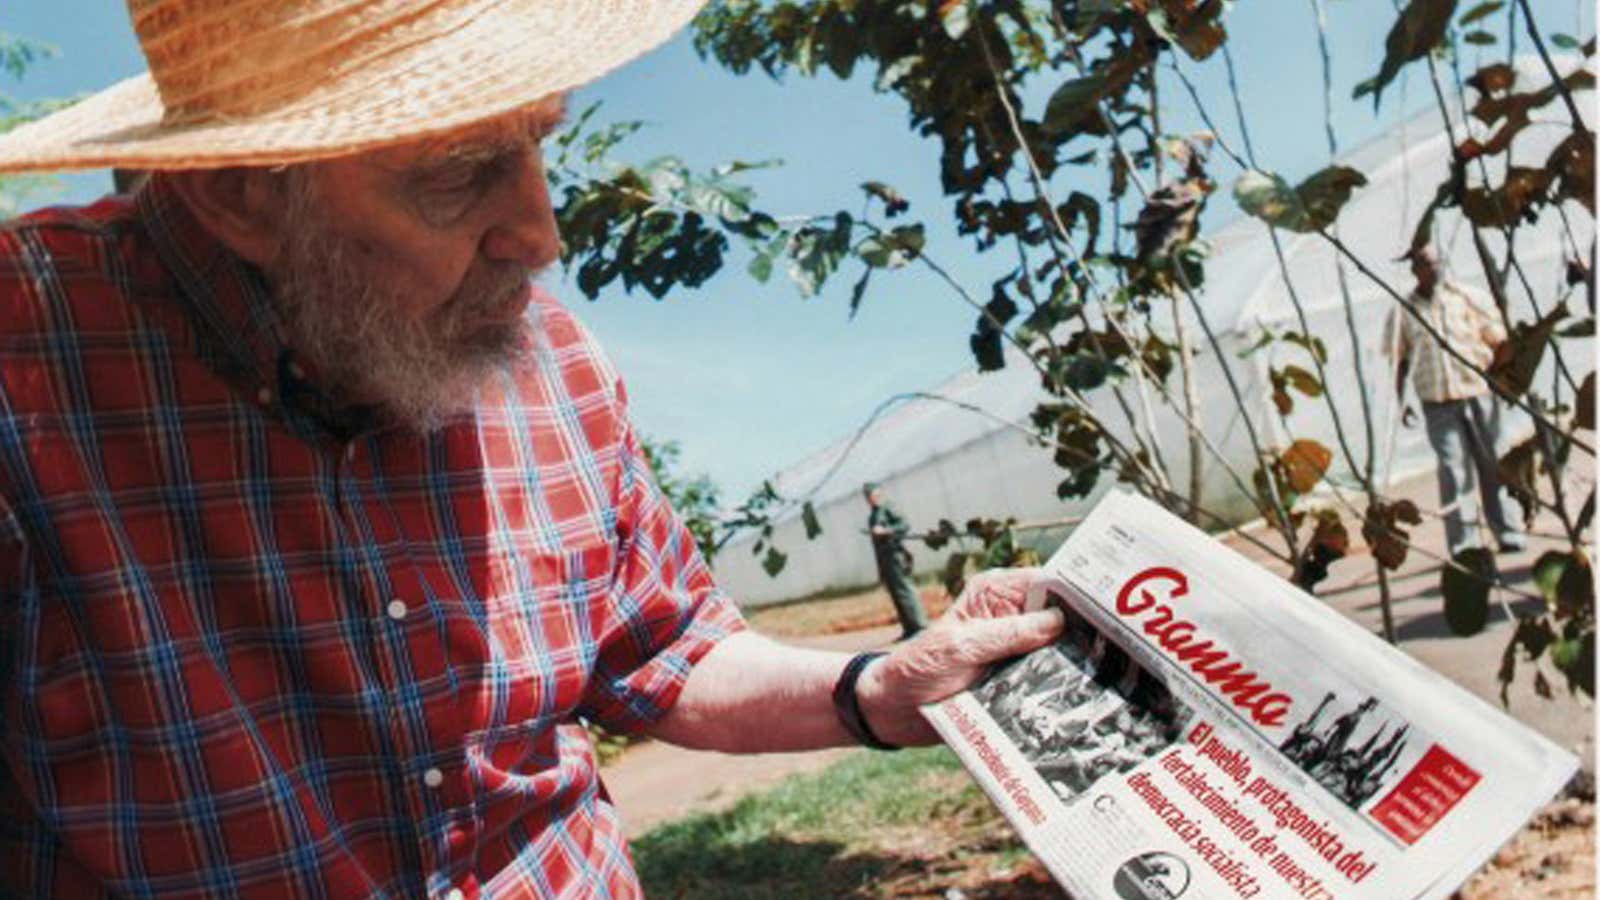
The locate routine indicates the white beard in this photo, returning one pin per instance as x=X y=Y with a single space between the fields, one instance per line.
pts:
x=352 y=330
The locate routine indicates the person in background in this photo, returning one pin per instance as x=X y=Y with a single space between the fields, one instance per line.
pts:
x=1461 y=412
x=888 y=530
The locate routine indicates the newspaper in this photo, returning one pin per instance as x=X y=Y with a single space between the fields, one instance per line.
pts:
x=1203 y=729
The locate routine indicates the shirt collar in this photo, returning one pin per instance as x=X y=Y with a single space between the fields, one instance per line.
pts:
x=229 y=304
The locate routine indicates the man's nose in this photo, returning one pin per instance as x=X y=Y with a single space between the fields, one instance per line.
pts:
x=524 y=225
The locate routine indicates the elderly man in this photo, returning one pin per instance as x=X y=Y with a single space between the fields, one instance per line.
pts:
x=321 y=531
x=1462 y=414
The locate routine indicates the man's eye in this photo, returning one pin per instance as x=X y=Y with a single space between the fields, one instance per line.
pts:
x=448 y=193
x=456 y=179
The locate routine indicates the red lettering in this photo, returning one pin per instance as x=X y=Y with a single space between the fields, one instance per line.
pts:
x=1178 y=637
x=1180 y=586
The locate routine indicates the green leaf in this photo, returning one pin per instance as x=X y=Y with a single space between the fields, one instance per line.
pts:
x=1478 y=38
x=1073 y=101
x=1564 y=654
x=1580 y=668
x=1481 y=10
x=893 y=249
x=858 y=291
x=1564 y=41
x=1547 y=571
x=808 y=516
x=1466 y=593
x=761 y=267
x=1309 y=207
x=1084 y=371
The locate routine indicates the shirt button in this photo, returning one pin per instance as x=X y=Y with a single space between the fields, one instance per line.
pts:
x=264 y=396
x=350 y=452
x=433 y=778
x=454 y=894
x=397 y=609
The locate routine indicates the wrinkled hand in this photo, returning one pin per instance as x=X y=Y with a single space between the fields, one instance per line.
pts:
x=986 y=624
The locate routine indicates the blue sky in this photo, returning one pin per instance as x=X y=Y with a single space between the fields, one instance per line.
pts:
x=748 y=377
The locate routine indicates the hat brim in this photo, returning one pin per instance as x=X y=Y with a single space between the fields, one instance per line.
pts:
x=498 y=62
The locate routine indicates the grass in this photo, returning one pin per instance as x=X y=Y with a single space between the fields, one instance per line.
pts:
x=907 y=824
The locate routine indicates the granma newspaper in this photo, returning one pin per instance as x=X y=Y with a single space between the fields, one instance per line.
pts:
x=1205 y=730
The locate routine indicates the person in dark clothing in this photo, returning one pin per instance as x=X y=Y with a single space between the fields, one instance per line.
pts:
x=888 y=529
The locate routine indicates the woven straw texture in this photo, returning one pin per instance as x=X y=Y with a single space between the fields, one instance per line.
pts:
x=264 y=82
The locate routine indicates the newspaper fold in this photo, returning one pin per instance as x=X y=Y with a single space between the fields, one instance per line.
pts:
x=1205 y=730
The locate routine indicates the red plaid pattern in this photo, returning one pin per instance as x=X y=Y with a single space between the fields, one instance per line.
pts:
x=249 y=648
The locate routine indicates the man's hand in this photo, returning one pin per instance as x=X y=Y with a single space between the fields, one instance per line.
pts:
x=987 y=624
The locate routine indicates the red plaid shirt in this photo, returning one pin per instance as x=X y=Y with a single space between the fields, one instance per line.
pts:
x=251 y=649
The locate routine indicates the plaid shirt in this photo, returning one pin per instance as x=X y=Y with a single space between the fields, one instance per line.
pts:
x=250 y=650
x=1468 y=320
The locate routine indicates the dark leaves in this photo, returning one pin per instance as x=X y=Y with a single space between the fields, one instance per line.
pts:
x=1583 y=416
x=1169 y=218
x=1513 y=200
x=1382 y=532
x=1480 y=11
x=986 y=338
x=1291 y=377
x=1194 y=26
x=1572 y=162
x=1518 y=471
x=1330 y=541
x=1465 y=587
x=1492 y=79
x=893 y=202
x=808 y=516
x=1517 y=359
x=1420 y=28
x=774 y=562
x=1575 y=588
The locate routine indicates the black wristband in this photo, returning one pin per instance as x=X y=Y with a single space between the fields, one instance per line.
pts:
x=848 y=706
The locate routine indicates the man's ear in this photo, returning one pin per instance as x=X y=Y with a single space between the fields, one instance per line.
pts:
x=243 y=207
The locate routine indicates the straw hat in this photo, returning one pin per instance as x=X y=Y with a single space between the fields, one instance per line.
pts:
x=263 y=82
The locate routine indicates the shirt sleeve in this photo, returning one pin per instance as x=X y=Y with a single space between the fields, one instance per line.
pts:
x=668 y=610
